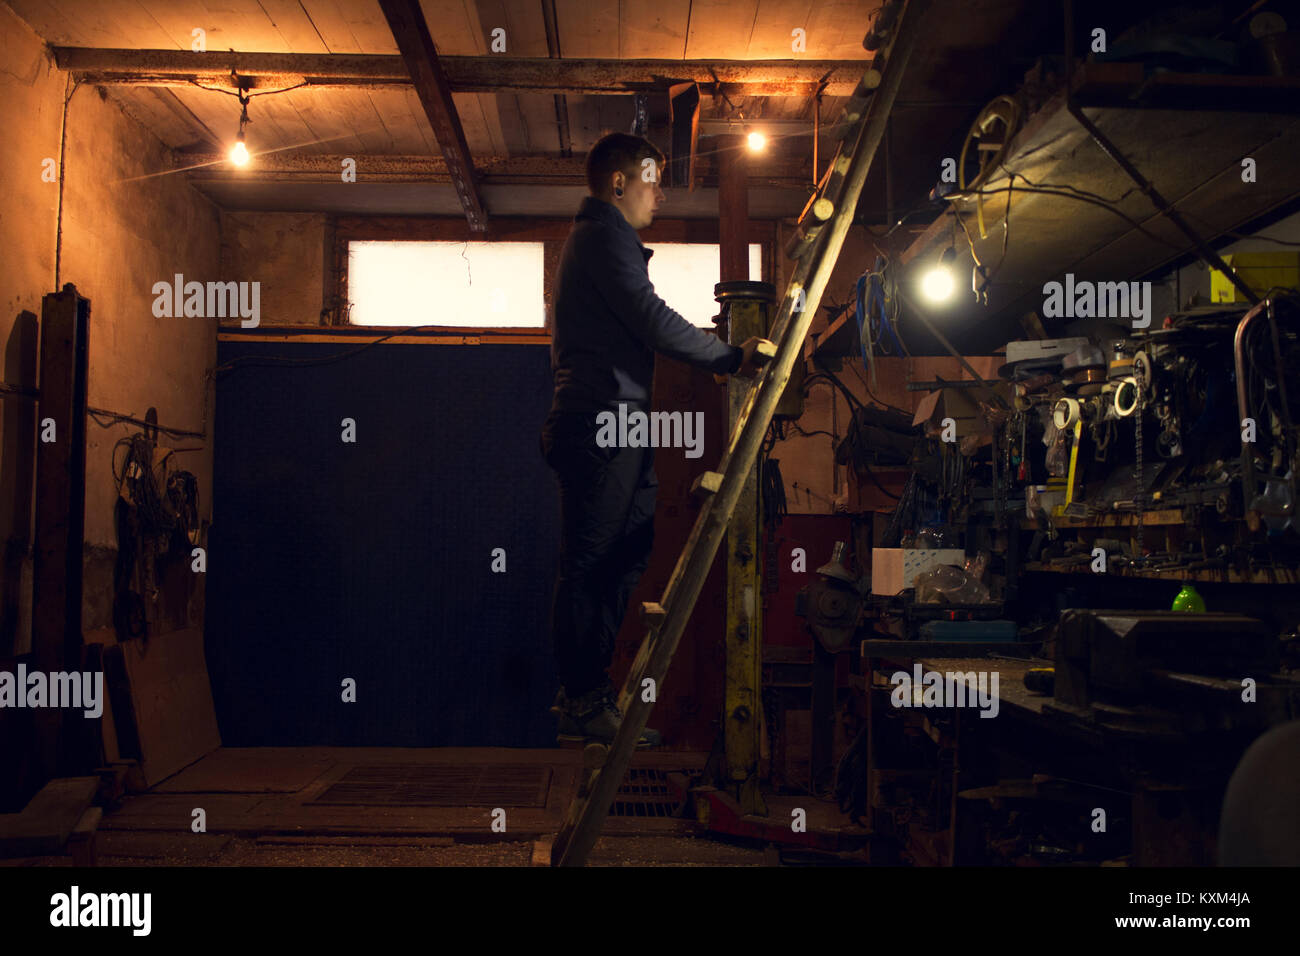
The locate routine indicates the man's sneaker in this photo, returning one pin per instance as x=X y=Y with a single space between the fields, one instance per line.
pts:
x=595 y=717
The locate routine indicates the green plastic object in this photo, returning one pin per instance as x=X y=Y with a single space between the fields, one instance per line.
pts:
x=1189 y=600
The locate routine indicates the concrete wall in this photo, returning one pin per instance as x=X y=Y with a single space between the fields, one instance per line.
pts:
x=283 y=251
x=123 y=229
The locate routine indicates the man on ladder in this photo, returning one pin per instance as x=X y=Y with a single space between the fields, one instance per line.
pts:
x=608 y=325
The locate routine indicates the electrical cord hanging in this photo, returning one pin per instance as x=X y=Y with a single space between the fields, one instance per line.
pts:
x=241 y=94
x=828 y=377
x=272 y=361
x=150 y=522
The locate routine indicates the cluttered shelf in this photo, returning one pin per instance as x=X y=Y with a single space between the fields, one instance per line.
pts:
x=1270 y=575
x=1168 y=516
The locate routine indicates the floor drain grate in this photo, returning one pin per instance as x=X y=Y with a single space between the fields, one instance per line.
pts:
x=645 y=793
x=417 y=785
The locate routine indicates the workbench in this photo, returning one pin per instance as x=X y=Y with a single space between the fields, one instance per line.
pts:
x=1163 y=791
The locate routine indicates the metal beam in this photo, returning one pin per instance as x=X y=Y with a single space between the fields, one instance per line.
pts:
x=207 y=166
x=464 y=74
x=406 y=21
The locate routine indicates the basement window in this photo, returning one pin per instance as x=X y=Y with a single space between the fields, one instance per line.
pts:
x=684 y=275
x=473 y=284
x=400 y=283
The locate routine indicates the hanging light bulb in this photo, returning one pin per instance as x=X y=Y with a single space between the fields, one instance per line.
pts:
x=239 y=154
x=939 y=283
x=757 y=142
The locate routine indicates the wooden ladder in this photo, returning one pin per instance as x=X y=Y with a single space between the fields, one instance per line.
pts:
x=816 y=246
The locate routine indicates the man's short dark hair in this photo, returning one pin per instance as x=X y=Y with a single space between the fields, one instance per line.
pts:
x=618 y=152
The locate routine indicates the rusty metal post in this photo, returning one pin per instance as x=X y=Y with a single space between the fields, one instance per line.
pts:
x=747 y=306
x=746 y=310
x=60 y=516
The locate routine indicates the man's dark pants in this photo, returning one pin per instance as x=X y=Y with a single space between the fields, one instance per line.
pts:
x=607 y=507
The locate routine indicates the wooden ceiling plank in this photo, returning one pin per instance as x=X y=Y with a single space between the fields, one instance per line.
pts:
x=492 y=138
x=472 y=123
x=720 y=29
x=294 y=27
x=395 y=122
x=172 y=126
x=179 y=19
x=50 y=24
x=587 y=29
x=539 y=112
x=337 y=123
x=654 y=29
x=332 y=25
x=420 y=122
x=772 y=36
x=136 y=23
x=525 y=29
x=513 y=127
x=382 y=133
x=95 y=24
x=241 y=25
x=584 y=122
x=368 y=27
x=166 y=99
x=454 y=28
x=836 y=28
x=281 y=120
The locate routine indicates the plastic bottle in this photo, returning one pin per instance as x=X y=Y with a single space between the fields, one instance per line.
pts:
x=1189 y=600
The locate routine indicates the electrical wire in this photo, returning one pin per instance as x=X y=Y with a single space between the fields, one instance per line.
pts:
x=854 y=402
x=254 y=360
x=241 y=94
x=115 y=418
x=881 y=402
x=816 y=431
x=1137 y=226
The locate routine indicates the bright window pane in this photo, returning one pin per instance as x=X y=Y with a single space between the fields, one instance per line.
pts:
x=478 y=284
x=684 y=275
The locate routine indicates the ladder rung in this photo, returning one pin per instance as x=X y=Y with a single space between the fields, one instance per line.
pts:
x=593 y=756
x=653 y=613
x=707 y=484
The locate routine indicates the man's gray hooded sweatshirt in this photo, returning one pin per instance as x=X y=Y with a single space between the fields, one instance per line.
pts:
x=609 y=322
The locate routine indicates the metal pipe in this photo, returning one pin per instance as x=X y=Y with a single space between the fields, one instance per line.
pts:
x=1277 y=362
x=1238 y=356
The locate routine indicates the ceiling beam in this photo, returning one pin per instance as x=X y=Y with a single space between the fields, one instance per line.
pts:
x=464 y=74
x=406 y=21
x=204 y=166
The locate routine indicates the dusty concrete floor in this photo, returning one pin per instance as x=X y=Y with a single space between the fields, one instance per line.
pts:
x=619 y=851
x=269 y=807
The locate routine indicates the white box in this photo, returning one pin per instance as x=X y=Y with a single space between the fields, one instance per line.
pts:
x=1038 y=350
x=893 y=569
